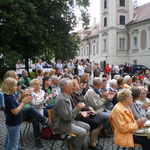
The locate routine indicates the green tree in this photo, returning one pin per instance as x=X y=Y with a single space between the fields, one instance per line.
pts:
x=35 y=28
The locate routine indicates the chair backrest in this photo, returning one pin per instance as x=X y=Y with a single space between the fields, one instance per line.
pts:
x=50 y=114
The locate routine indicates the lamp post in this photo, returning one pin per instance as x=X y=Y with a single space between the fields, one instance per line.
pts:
x=89 y=48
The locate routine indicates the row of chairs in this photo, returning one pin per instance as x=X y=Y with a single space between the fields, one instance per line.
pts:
x=63 y=137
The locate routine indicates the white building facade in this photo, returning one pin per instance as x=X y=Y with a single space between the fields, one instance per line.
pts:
x=124 y=34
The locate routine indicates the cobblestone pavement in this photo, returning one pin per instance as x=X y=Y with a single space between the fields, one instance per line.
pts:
x=28 y=141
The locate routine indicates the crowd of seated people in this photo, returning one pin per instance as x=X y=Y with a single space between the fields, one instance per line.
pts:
x=80 y=106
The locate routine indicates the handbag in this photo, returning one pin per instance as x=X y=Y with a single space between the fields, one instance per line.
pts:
x=46 y=133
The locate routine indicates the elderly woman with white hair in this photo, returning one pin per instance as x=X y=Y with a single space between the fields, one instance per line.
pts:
x=40 y=98
x=128 y=82
x=124 y=124
x=143 y=101
x=113 y=88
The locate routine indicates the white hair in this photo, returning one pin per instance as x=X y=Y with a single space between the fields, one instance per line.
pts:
x=127 y=78
x=112 y=82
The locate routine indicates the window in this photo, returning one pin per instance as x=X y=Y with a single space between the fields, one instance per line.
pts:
x=87 y=51
x=122 y=43
x=122 y=2
x=135 y=62
x=105 y=21
x=122 y=20
x=135 y=43
x=105 y=45
x=105 y=4
x=94 y=50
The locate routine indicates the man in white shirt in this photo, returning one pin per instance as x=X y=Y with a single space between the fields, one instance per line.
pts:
x=19 y=68
x=80 y=69
x=39 y=66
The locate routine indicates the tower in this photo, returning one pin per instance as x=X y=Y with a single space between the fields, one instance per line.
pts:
x=113 y=35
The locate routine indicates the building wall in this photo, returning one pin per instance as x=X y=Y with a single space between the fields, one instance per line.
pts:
x=140 y=55
x=111 y=36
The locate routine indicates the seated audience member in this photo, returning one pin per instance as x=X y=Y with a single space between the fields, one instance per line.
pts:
x=48 y=89
x=128 y=82
x=95 y=100
x=106 y=76
x=144 y=102
x=46 y=74
x=40 y=100
x=59 y=74
x=25 y=80
x=65 y=73
x=137 y=111
x=135 y=81
x=95 y=122
x=64 y=115
x=70 y=74
x=84 y=84
x=113 y=88
x=147 y=79
x=77 y=78
x=124 y=124
x=55 y=85
x=13 y=113
x=52 y=73
x=120 y=83
x=40 y=77
x=29 y=113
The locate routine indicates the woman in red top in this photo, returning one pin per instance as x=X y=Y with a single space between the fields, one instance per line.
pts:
x=107 y=69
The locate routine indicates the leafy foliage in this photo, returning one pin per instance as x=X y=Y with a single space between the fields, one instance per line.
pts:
x=35 y=28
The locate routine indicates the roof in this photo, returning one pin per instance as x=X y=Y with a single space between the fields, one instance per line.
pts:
x=141 y=14
x=91 y=32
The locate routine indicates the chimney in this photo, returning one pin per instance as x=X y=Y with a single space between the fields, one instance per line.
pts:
x=94 y=21
x=135 y=3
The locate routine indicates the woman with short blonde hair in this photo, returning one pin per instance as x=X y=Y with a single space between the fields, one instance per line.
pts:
x=10 y=73
x=123 y=95
x=13 y=111
x=8 y=86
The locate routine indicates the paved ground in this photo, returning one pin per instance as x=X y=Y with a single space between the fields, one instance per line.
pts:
x=29 y=141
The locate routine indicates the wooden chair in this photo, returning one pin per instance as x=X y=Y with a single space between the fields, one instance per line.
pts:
x=136 y=144
x=57 y=136
x=124 y=148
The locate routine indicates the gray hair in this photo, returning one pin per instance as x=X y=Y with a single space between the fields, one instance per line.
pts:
x=112 y=82
x=127 y=78
x=54 y=78
x=63 y=83
x=96 y=81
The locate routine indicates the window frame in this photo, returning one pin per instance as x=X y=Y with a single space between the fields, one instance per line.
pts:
x=122 y=3
x=124 y=21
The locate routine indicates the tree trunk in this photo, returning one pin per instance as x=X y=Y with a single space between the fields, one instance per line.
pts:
x=26 y=64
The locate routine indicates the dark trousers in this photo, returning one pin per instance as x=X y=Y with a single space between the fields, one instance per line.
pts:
x=32 y=115
x=93 y=122
x=143 y=141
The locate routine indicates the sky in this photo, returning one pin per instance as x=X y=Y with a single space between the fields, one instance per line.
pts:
x=94 y=11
